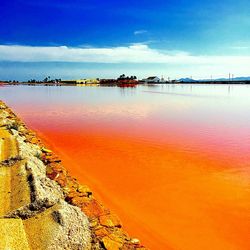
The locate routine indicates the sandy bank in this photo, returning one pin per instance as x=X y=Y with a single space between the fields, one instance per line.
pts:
x=42 y=206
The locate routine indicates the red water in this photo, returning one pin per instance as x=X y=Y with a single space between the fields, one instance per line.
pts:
x=175 y=183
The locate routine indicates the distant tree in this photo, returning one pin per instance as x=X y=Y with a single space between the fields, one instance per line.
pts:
x=122 y=76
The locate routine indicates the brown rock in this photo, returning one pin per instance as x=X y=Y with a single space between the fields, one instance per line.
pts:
x=84 y=189
x=129 y=246
x=110 y=220
x=92 y=208
x=112 y=242
x=102 y=232
x=81 y=202
x=93 y=223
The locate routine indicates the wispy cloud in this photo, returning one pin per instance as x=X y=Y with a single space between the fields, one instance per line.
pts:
x=139 y=32
x=240 y=47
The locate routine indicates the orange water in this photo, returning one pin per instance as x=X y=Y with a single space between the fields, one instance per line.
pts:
x=174 y=167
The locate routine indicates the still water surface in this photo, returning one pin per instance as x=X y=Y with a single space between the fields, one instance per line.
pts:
x=173 y=161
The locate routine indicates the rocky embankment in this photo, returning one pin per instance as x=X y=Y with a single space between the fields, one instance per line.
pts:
x=41 y=205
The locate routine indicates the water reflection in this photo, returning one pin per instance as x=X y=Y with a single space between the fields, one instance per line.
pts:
x=171 y=160
x=128 y=91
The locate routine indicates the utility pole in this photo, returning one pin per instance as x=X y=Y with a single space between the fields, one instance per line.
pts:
x=162 y=78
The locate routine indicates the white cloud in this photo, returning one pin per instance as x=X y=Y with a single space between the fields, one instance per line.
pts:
x=198 y=65
x=139 y=32
x=136 y=53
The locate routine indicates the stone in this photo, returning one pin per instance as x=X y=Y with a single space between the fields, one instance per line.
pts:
x=135 y=241
x=91 y=207
x=85 y=190
x=102 y=232
x=110 y=220
x=112 y=242
x=45 y=150
x=60 y=227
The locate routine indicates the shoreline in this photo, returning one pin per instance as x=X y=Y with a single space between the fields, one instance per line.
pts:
x=105 y=227
x=140 y=83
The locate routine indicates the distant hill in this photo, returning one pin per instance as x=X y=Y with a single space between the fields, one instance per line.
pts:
x=241 y=78
x=187 y=80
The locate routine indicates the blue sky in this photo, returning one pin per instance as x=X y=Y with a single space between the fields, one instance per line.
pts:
x=96 y=38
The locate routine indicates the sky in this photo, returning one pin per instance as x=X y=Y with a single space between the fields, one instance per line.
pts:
x=74 y=39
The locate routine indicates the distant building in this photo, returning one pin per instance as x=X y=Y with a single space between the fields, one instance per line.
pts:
x=151 y=79
x=81 y=81
x=90 y=81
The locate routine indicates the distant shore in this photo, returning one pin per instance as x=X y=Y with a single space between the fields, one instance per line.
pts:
x=111 y=84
